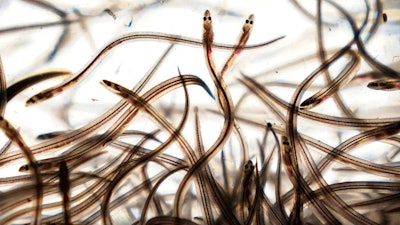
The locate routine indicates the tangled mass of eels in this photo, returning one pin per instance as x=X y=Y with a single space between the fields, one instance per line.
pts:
x=295 y=122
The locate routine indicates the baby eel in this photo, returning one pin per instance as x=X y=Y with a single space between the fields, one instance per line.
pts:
x=345 y=76
x=322 y=55
x=14 y=135
x=243 y=38
x=33 y=79
x=64 y=185
x=261 y=92
x=385 y=85
x=247 y=185
x=225 y=102
x=58 y=89
x=290 y=163
x=78 y=134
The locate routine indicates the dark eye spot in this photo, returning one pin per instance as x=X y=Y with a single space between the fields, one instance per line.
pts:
x=251 y=22
x=285 y=143
x=248 y=165
x=204 y=18
x=209 y=18
x=24 y=168
x=373 y=84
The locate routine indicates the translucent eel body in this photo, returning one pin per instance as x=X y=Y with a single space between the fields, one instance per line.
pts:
x=51 y=92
